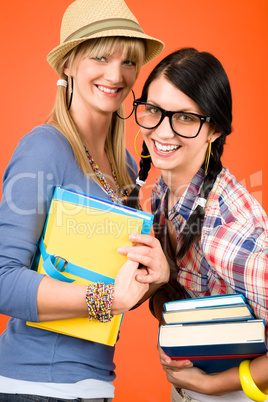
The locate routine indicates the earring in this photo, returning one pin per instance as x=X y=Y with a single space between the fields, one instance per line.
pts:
x=125 y=118
x=207 y=156
x=71 y=94
x=136 y=149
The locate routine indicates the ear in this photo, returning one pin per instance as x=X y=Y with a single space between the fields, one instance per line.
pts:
x=214 y=134
x=66 y=69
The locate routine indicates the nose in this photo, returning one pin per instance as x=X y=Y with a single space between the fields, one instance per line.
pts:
x=114 y=73
x=164 y=130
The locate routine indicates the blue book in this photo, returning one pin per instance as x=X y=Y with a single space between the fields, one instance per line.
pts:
x=205 y=302
x=214 y=346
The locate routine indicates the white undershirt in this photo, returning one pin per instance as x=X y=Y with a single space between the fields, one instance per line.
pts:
x=82 y=389
x=237 y=396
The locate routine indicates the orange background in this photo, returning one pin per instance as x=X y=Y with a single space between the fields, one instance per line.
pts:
x=234 y=31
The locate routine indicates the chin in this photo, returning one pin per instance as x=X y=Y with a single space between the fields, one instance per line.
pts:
x=161 y=166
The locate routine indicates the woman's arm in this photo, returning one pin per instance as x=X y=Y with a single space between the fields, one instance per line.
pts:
x=33 y=172
x=222 y=383
x=60 y=300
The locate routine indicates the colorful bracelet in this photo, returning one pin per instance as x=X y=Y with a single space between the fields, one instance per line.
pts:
x=248 y=385
x=99 y=298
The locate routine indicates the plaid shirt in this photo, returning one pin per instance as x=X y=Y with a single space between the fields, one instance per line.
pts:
x=232 y=254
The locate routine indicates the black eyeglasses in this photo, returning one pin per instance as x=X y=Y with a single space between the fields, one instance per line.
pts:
x=187 y=125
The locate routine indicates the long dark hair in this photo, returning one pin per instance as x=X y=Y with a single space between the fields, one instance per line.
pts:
x=202 y=78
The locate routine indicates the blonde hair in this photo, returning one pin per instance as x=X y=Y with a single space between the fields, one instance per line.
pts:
x=134 y=49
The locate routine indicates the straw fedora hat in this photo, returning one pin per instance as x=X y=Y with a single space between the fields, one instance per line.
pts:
x=88 y=19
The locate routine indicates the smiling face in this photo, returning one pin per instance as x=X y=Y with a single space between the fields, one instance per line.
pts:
x=170 y=152
x=102 y=83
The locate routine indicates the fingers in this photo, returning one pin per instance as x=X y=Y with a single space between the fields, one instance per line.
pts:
x=149 y=253
x=143 y=259
x=124 y=250
x=139 y=240
x=134 y=250
x=142 y=253
x=146 y=278
x=143 y=276
x=175 y=365
x=144 y=239
x=127 y=291
x=169 y=364
x=128 y=268
x=164 y=359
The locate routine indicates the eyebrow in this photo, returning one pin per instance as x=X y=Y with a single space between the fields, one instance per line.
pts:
x=177 y=110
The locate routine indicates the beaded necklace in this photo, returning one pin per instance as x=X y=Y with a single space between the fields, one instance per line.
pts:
x=104 y=182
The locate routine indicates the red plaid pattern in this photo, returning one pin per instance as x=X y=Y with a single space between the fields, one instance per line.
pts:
x=232 y=254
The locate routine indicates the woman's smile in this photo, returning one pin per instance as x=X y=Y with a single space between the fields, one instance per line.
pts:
x=108 y=90
x=165 y=149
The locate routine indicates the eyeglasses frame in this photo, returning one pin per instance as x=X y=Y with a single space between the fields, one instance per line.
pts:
x=169 y=114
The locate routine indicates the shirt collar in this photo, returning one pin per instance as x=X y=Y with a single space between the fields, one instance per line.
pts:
x=186 y=202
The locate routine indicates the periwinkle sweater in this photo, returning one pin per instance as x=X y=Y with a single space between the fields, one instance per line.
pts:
x=42 y=160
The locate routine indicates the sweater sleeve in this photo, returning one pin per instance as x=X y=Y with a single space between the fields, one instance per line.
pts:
x=36 y=166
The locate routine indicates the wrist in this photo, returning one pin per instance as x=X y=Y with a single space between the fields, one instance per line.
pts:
x=99 y=299
x=119 y=304
x=221 y=383
x=206 y=384
x=248 y=385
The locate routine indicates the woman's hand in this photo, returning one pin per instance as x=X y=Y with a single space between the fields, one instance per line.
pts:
x=191 y=378
x=175 y=365
x=183 y=374
x=127 y=290
x=148 y=252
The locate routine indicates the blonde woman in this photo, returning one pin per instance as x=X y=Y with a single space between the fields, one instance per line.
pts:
x=81 y=147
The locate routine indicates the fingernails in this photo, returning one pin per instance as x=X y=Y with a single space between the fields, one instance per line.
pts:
x=189 y=364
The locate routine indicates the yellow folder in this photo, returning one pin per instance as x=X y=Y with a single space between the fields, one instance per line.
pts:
x=83 y=233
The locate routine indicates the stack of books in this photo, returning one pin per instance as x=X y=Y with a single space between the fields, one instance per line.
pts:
x=214 y=332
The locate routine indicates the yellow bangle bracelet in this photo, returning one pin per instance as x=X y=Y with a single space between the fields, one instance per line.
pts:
x=248 y=385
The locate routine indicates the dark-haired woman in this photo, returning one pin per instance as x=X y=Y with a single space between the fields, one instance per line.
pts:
x=213 y=232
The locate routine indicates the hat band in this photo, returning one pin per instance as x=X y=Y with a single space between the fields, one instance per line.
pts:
x=104 y=25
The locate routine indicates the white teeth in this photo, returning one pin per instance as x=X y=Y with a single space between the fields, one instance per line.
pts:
x=165 y=148
x=108 y=90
